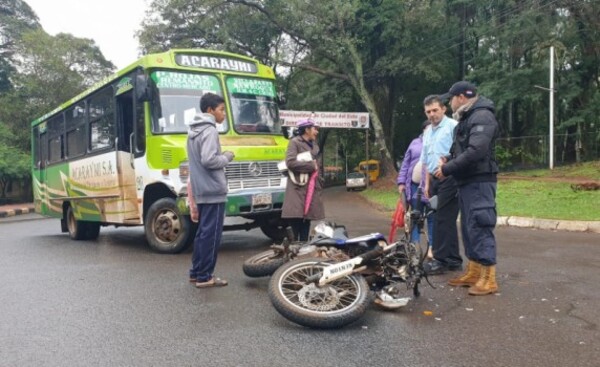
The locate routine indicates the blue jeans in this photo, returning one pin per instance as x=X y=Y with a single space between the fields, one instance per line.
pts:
x=207 y=241
x=415 y=235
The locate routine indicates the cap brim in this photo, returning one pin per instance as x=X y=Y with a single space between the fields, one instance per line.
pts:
x=445 y=97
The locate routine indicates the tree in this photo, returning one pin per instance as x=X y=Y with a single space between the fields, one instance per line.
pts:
x=52 y=69
x=353 y=41
x=14 y=163
x=16 y=17
x=391 y=54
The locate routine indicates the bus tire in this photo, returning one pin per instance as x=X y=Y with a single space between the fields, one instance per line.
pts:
x=76 y=227
x=167 y=230
x=81 y=230
x=92 y=230
x=274 y=228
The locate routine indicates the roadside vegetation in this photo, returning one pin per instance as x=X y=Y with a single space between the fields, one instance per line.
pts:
x=569 y=193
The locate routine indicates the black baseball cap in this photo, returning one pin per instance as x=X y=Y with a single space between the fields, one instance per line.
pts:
x=465 y=88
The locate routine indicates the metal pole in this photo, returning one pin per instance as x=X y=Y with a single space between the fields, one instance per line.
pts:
x=551 y=107
x=367 y=155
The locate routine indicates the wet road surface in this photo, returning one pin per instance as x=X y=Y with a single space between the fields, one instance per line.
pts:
x=113 y=302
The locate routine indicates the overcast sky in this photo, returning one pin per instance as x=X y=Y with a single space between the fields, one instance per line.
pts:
x=111 y=23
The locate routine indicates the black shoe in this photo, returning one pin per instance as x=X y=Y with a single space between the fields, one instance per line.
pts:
x=435 y=267
x=455 y=267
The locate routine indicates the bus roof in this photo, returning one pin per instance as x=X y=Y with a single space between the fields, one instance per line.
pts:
x=182 y=59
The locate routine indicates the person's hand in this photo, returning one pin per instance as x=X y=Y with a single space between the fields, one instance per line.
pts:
x=229 y=155
x=426 y=190
x=194 y=215
x=438 y=173
x=316 y=165
x=401 y=188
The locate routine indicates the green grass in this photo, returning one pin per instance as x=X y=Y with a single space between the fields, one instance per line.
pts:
x=549 y=200
x=589 y=170
x=537 y=198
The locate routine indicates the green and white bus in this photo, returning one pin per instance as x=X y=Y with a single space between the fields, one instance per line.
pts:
x=116 y=153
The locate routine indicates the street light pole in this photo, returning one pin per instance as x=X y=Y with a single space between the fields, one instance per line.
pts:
x=551 y=107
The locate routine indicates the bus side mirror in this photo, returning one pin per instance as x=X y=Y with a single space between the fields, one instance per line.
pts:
x=288 y=132
x=142 y=88
x=281 y=99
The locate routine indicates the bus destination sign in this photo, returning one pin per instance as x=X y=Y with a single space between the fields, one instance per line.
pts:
x=215 y=62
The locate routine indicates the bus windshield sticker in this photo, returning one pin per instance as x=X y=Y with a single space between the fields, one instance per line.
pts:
x=171 y=80
x=123 y=86
x=215 y=62
x=251 y=86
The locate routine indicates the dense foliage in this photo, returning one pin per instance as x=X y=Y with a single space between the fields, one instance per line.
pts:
x=37 y=73
x=380 y=56
x=384 y=56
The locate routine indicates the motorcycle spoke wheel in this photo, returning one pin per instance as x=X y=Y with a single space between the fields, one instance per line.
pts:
x=329 y=306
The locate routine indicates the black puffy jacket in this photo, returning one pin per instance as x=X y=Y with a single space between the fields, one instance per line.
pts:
x=472 y=156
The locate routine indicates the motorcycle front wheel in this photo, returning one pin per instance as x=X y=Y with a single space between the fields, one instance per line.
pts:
x=263 y=264
x=333 y=305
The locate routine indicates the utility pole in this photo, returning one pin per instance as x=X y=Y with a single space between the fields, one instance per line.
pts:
x=551 y=106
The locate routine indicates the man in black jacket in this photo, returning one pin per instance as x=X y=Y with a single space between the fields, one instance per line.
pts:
x=472 y=163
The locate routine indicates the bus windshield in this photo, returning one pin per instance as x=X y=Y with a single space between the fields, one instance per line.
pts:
x=253 y=106
x=178 y=100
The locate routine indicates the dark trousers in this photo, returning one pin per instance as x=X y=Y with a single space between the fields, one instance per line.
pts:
x=478 y=219
x=207 y=241
x=300 y=227
x=445 y=233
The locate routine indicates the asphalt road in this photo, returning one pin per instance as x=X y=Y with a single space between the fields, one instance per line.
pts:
x=113 y=302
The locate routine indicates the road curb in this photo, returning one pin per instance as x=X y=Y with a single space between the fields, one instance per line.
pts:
x=550 y=224
x=4 y=213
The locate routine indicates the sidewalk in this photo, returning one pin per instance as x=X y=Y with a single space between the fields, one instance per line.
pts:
x=548 y=224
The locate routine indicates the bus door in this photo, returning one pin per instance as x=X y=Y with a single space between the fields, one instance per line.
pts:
x=125 y=157
x=40 y=154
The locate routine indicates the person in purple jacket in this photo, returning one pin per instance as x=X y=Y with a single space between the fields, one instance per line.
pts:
x=410 y=179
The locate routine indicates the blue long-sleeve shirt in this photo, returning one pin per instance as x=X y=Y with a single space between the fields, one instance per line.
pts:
x=437 y=142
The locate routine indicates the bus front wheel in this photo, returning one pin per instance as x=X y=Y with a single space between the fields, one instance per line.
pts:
x=274 y=228
x=167 y=229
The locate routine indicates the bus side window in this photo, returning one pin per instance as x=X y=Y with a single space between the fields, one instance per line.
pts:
x=56 y=130
x=125 y=120
x=76 y=132
x=101 y=113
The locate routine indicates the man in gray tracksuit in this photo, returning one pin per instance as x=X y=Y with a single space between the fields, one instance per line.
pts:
x=208 y=188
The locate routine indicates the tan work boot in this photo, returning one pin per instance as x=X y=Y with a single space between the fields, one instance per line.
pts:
x=469 y=278
x=486 y=283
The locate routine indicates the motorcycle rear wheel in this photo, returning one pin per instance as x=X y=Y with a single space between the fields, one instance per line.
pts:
x=333 y=305
x=263 y=264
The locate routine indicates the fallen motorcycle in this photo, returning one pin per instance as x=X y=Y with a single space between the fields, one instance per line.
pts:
x=329 y=293
x=330 y=241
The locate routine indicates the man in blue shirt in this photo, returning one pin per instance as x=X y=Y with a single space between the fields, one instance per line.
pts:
x=437 y=141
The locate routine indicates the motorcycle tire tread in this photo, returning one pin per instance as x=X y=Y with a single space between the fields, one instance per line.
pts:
x=310 y=319
x=260 y=265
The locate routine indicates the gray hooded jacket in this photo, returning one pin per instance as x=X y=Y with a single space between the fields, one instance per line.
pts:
x=207 y=163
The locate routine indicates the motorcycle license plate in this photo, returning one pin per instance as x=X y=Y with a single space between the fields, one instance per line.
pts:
x=261 y=199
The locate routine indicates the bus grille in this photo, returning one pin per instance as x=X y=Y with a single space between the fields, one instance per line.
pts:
x=246 y=175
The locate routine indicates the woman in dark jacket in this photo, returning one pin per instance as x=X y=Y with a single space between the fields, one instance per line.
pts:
x=301 y=161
